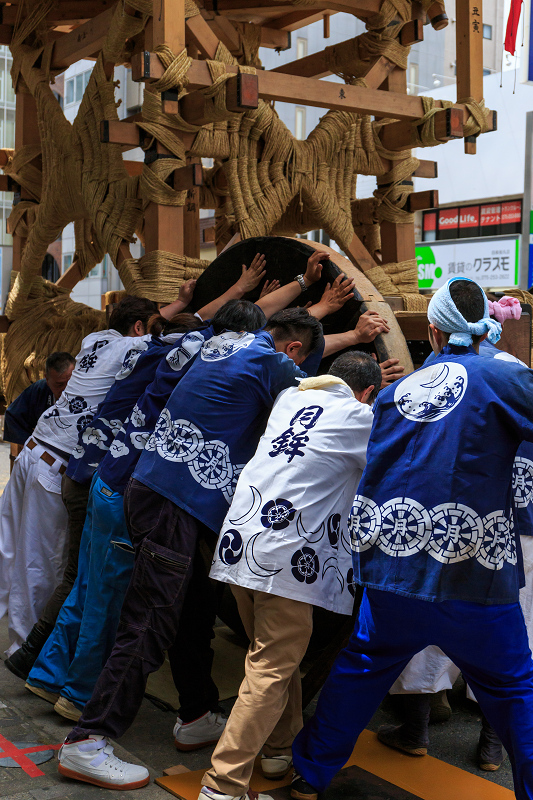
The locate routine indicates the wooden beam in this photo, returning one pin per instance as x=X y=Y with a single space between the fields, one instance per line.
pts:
x=133 y=168
x=199 y=32
x=412 y=32
x=397 y=241
x=225 y=31
x=437 y=16
x=294 y=20
x=359 y=255
x=469 y=54
x=5 y=154
x=401 y=136
x=274 y=39
x=130 y=136
x=163 y=224
x=427 y=169
x=417 y=201
x=414 y=324
x=194 y=108
x=70 y=277
x=308 y=91
x=120 y=132
x=65 y=11
x=326 y=30
x=359 y=8
x=26 y=132
x=6 y=34
x=379 y=72
x=191 y=212
x=83 y=41
x=188 y=177
x=7 y=184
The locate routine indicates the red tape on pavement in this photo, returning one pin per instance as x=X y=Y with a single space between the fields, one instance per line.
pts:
x=20 y=756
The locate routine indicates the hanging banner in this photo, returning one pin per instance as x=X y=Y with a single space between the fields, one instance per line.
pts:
x=491 y=262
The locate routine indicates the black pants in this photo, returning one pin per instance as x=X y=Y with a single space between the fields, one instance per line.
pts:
x=165 y=538
x=75 y=497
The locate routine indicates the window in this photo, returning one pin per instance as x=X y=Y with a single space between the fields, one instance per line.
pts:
x=67 y=261
x=412 y=85
x=76 y=86
x=301 y=47
x=487 y=31
x=299 y=128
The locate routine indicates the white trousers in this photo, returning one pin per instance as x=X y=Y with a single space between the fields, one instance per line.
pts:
x=431 y=670
x=33 y=528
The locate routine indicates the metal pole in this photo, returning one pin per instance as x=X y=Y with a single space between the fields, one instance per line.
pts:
x=526 y=256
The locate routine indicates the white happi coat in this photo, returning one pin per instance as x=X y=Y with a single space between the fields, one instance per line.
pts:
x=33 y=518
x=286 y=531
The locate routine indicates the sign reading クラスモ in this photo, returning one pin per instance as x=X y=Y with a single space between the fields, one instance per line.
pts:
x=489 y=262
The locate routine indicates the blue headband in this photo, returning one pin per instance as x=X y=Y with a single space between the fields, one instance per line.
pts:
x=444 y=314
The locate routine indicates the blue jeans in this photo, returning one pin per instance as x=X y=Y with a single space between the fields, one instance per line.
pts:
x=83 y=637
x=488 y=643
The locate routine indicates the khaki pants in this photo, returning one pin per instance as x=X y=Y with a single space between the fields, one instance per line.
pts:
x=268 y=712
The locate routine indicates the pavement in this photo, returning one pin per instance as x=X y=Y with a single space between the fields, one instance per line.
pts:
x=25 y=718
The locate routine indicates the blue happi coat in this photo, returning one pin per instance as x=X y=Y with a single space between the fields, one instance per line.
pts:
x=213 y=421
x=138 y=369
x=433 y=516
x=120 y=461
x=523 y=463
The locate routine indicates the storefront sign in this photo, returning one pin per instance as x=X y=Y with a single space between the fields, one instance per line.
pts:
x=491 y=215
x=469 y=217
x=448 y=218
x=511 y=212
x=492 y=263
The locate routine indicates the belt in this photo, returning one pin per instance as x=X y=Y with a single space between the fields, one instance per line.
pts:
x=50 y=460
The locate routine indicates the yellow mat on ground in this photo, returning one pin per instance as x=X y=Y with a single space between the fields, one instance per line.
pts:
x=426 y=778
x=227 y=672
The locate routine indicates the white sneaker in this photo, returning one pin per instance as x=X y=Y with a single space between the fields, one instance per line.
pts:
x=210 y=794
x=199 y=733
x=275 y=767
x=92 y=761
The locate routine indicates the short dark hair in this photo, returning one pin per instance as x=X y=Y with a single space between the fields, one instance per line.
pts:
x=469 y=299
x=129 y=311
x=359 y=370
x=59 y=362
x=296 y=323
x=158 y=325
x=238 y=315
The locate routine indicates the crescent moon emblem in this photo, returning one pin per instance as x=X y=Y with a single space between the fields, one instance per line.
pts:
x=331 y=563
x=254 y=565
x=61 y=423
x=310 y=536
x=252 y=511
x=441 y=377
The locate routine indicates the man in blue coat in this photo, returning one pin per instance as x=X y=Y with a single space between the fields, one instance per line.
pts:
x=434 y=545
x=23 y=413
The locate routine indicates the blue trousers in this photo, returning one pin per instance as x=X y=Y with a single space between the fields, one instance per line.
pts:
x=488 y=643
x=84 y=634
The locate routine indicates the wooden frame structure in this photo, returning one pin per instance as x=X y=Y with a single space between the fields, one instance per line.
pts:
x=199 y=63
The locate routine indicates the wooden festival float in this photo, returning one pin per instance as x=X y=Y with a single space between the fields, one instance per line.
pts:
x=206 y=96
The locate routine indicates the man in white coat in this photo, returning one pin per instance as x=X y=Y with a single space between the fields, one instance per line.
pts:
x=42 y=511
x=283 y=548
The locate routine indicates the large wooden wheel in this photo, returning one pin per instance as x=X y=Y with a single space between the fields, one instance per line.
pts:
x=286 y=258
